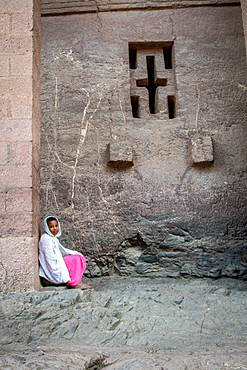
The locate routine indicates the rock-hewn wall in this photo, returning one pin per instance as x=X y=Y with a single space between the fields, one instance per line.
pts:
x=19 y=145
x=147 y=195
x=244 y=16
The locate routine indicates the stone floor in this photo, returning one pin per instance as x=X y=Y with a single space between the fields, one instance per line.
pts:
x=127 y=324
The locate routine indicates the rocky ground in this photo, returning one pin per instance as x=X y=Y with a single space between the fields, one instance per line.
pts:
x=127 y=323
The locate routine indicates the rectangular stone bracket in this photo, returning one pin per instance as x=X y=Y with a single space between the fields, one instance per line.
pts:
x=202 y=149
x=121 y=154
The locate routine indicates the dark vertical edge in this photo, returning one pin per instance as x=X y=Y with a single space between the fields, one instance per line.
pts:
x=171 y=106
x=135 y=106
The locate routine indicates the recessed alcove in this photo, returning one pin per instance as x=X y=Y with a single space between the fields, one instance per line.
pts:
x=135 y=106
x=151 y=66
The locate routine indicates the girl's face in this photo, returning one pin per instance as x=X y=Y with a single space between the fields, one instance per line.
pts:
x=53 y=227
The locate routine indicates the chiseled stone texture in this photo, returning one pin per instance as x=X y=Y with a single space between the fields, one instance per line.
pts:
x=19 y=144
x=70 y=6
x=127 y=324
x=244 y=15
x=202 y=149
x=120 y=151
x=19 y=261
x=163 y=216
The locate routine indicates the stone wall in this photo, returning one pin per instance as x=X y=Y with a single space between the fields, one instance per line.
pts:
x=68 y=7
x=143 y=135
x=244 y=16
x=19 y=144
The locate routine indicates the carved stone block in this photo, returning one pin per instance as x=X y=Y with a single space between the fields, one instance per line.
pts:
x=121 y=152
x=202 y=149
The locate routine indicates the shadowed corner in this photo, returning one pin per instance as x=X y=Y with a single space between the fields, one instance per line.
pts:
x=120 y=154
x=120 y=164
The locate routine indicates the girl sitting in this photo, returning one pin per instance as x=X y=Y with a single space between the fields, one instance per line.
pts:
x=59 y=265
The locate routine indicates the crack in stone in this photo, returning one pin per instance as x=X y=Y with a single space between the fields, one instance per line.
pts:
x=56 y=151
x=97 y=11
x=83 y=134
x=51 y=176
x=198 y=105
x=56 y=97
x=202 y=323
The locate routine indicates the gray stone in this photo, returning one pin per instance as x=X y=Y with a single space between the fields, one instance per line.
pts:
x=164 y=200
x=120 y=151
x=128 y=324
x=202 y=149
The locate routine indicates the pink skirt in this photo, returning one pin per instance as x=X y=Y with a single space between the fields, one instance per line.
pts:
x=76 y=265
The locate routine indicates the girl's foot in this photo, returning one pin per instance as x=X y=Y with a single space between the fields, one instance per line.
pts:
x=83 y=286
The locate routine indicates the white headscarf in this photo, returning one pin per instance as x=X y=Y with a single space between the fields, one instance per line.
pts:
x=51 y=264
x=47 y=228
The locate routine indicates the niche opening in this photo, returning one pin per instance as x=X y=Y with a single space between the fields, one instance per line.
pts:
x=135 y=106
x=151 y=83
x=171 y=106
x=167 y=50
x=132 y=56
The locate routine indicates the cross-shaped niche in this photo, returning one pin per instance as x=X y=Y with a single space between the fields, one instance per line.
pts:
x=152 y=79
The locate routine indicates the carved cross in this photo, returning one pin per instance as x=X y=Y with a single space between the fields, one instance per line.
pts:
x=151 y=82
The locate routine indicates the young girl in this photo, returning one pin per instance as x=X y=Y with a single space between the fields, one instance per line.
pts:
x=59 y=265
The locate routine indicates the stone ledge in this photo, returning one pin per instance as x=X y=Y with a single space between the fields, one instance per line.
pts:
x=120 y=154
x=51 y=7
x=202 y=149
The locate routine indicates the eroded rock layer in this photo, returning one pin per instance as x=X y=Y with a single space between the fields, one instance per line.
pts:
x=127 y=324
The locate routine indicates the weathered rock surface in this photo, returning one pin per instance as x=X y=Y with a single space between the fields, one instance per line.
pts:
x=77 y=6
x=127 y=324
x=190 y=218
x=178 y=254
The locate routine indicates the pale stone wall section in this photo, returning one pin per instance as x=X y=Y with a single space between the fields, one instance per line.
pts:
x=19 y=144
x=244 y=15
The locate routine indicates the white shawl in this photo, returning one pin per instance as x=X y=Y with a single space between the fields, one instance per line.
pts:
x=51 y=264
